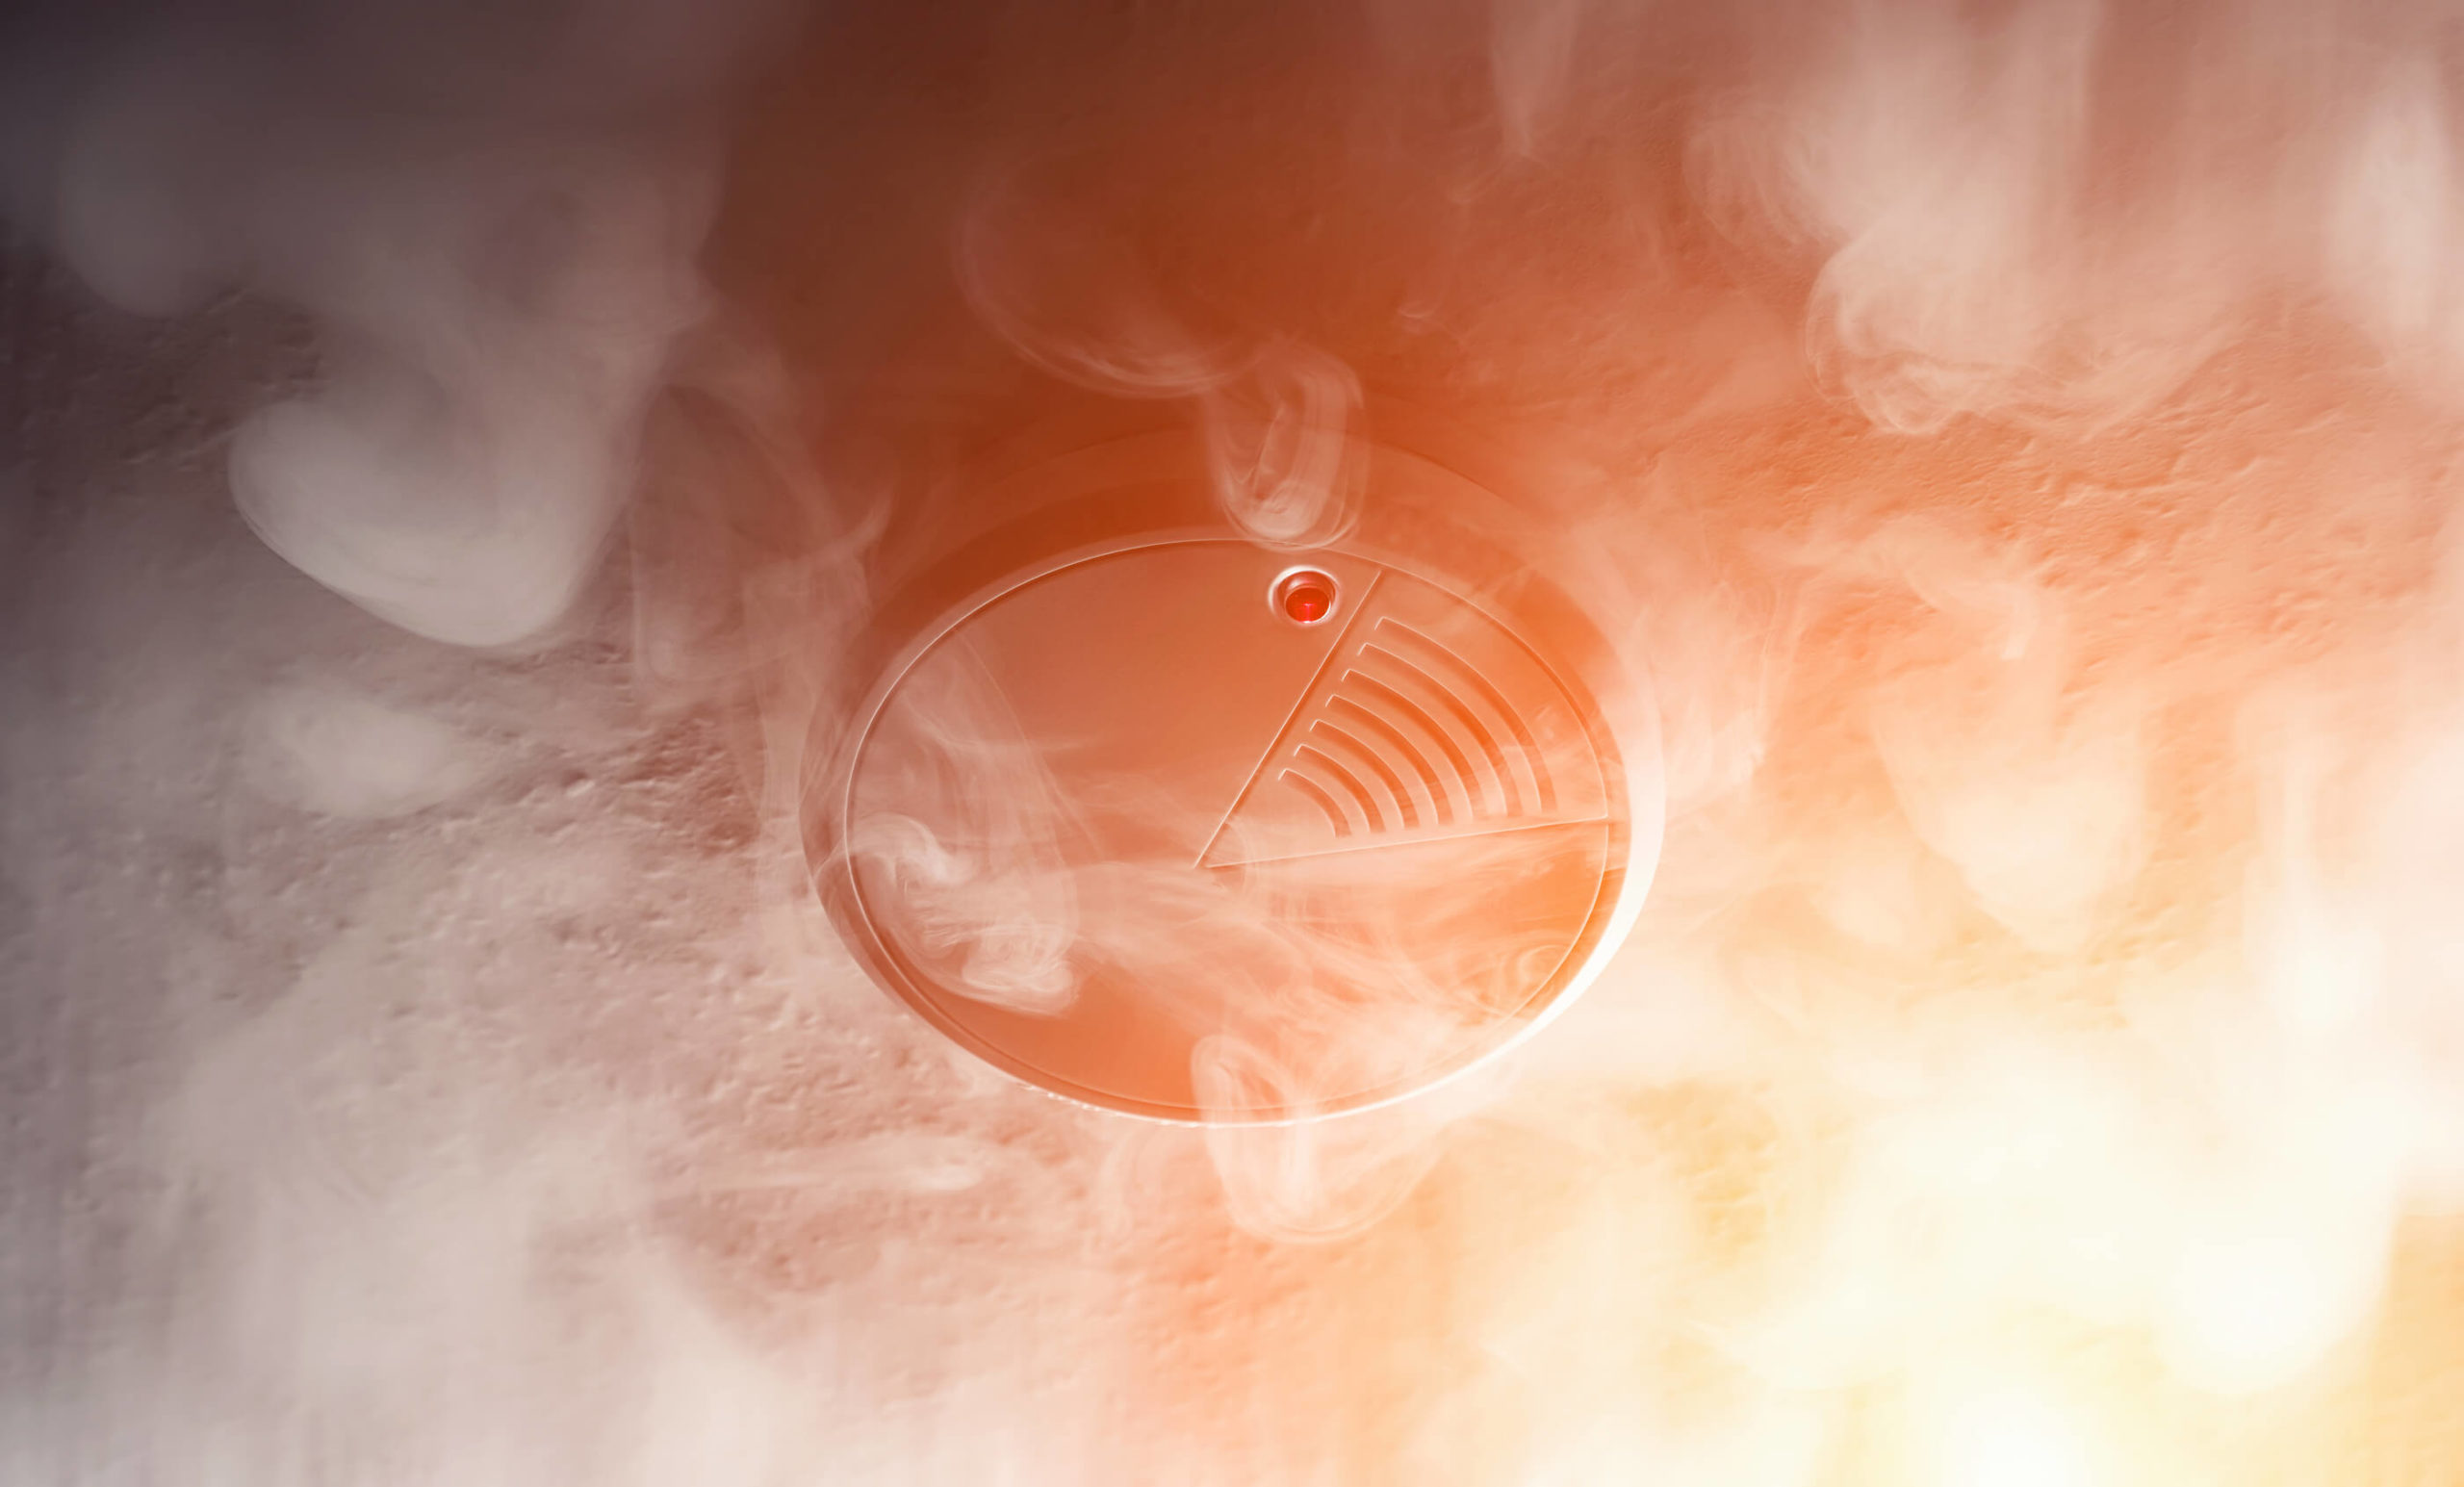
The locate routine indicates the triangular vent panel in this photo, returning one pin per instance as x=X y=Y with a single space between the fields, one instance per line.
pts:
x=1429 y=722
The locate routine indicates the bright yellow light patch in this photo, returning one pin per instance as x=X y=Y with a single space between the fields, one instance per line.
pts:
x=2008 y=1435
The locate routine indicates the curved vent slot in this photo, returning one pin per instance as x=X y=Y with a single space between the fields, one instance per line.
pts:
x=1355 y=800
x=1316 y=794
x=1380 y=782
x=1519 y=745
x=1371 y=729
x=1403 y=736
x=1414 y=735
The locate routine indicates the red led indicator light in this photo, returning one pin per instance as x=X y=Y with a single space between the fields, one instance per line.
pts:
x=1304 y=596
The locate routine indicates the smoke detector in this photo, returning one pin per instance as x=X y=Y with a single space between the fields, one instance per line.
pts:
x=1172 y=823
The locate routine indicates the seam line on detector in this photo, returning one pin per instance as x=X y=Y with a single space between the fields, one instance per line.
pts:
x=1414 y=841
x=1283 y=730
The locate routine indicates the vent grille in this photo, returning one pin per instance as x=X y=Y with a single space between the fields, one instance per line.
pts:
x=1413 y=736
x=1410 y=734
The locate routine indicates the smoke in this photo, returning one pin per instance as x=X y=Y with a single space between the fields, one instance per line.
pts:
x=457 y=455
x=1278 y=415
x=496 y=273
x=992 y=908
x=2059 y=212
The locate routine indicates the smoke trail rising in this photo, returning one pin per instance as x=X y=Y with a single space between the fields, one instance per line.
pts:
x=1278 y=415
x=497 y=268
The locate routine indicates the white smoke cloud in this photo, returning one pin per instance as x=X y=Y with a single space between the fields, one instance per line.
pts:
x=1279 y=416
x=497 y=261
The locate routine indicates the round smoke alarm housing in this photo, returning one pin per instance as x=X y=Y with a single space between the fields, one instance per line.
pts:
x=1172 y=823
